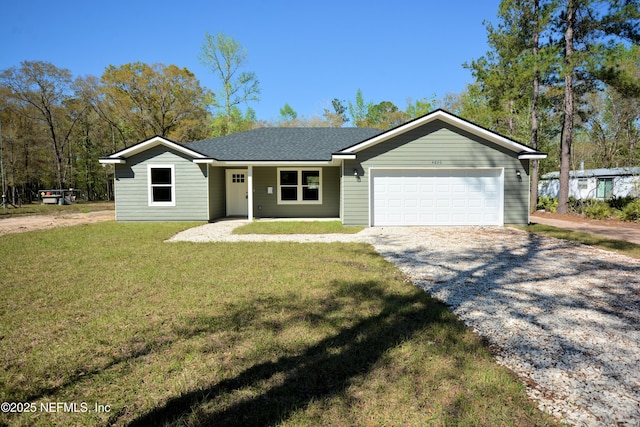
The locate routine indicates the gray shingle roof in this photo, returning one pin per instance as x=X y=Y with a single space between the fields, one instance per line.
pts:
x=282 y=144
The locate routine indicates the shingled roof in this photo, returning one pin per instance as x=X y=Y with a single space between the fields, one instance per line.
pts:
x=282 y=144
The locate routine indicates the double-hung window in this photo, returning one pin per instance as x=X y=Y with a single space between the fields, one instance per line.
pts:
x=162 y=188
x=299 y=186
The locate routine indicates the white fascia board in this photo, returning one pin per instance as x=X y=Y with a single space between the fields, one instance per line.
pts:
x=205 y=161
x=150 y=143
x=447 y=118
x=342 y=156
x=532 y=156
x=112 y=161
x=268 y=162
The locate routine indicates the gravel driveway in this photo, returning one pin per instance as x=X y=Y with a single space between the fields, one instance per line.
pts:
x=564 y=317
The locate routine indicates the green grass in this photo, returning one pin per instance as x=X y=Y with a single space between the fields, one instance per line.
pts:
x=621 y=246
x=234 y=334
x=297 y=227
x=40 y=209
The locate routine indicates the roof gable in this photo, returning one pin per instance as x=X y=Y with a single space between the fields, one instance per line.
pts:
x=523 y=151
x=120 y=156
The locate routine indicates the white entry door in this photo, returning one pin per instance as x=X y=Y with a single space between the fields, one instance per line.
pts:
x=237 y=192
x=437 y=197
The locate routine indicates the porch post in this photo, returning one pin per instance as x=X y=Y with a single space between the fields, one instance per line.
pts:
x=250 y=193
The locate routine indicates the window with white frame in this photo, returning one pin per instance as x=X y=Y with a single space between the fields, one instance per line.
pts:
x=162 y=189
x=299 y=186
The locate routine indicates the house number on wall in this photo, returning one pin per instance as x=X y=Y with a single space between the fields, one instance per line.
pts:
x=436 y=162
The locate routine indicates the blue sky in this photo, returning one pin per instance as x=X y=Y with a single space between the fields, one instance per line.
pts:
x=304 y=53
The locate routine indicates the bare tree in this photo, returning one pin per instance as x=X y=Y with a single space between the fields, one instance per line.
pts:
x=225 y=58
x=42 y=93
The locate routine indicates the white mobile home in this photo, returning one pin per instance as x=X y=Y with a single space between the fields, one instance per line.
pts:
x=600 y=184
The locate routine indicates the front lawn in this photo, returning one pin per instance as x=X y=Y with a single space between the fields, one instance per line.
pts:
x=296 y=227
x=108 y=317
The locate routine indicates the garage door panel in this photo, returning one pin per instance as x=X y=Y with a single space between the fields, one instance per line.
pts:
x=475 y=203
x=430 y=197
x=458 y=203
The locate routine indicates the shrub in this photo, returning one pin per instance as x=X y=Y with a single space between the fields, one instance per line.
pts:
x=631 y=212
x=621 y=202
x=549 y=204
x=577 y=205
x=598 y=209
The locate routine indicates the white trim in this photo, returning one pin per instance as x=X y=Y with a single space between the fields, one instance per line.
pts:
x=447 y=118
x=291 y=163
x=157 y=140
x=250 y=193
x=112 y=161
x=299 y=186
x=373 y=169
x=343 y=156
x=150 y=185
x=532 y=156
x=204 y=161
x=341 y=198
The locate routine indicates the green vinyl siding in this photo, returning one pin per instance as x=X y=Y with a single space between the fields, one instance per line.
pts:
x=217 y=200
x=132 y=190
x=266 y=205
x=433 y=146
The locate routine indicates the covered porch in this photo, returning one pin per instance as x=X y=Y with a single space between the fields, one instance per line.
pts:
x=274 y=192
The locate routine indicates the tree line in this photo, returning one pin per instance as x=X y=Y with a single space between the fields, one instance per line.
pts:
x=562 y=76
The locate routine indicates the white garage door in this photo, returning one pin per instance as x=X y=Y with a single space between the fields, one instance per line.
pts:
x=437 y=197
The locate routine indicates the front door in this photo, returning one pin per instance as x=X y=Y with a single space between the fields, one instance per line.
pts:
x=237 y=192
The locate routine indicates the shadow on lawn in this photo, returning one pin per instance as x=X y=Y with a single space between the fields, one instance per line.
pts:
x=325 y=369
x=487 y=270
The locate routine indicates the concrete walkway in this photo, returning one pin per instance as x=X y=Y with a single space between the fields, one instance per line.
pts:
x=620 y=233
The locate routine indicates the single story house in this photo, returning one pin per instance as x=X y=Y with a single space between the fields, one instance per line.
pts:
x=602 y=184
x=438 y=169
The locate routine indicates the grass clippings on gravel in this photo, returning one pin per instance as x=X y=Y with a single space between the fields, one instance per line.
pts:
x=233 y=334
x=620 y=246
x=296 y=227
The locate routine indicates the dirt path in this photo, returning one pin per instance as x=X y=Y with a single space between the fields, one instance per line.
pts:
x=619 y=230
x=21 y=224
